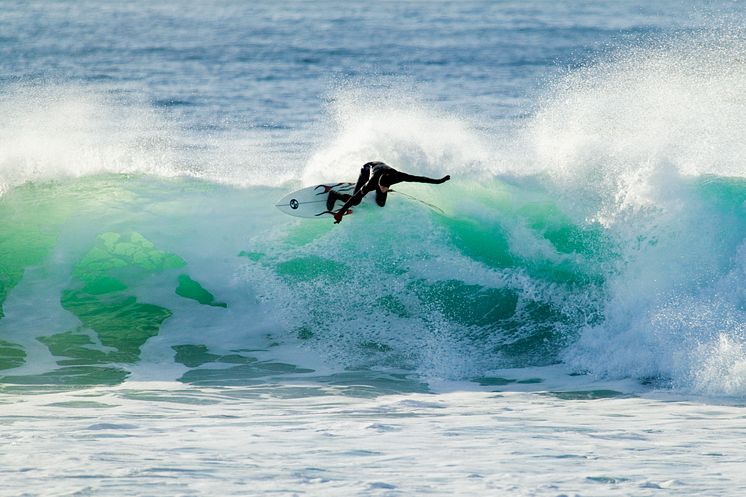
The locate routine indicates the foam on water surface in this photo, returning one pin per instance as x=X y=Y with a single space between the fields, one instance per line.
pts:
x=262 y=439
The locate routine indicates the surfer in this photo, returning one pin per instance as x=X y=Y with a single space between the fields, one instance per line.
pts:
x=376 y=176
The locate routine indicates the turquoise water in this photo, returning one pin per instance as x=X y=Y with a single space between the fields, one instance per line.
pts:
x=107 y=275
x=126 y=255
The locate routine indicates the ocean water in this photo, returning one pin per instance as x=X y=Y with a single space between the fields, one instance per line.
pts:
x=571 y=321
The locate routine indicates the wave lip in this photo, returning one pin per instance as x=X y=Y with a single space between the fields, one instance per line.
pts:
x=54 y=132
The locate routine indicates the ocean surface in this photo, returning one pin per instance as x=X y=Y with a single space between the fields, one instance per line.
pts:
x=569 y=321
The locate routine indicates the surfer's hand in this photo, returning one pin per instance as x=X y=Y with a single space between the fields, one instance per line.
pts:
x=444 y=178
x=338 y=216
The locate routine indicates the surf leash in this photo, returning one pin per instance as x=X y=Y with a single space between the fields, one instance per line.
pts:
x=411 y=197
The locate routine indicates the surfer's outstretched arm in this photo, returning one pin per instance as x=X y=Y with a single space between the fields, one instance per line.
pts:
x=410 y=178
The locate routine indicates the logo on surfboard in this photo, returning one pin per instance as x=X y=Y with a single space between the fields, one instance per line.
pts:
x=310 y=202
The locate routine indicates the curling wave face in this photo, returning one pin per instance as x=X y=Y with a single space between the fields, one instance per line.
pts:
x=112 y=275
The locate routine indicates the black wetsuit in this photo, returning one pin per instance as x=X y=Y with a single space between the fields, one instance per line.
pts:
x=373 y=175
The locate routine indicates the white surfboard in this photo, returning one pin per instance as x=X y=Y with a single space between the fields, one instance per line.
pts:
x=310 y=202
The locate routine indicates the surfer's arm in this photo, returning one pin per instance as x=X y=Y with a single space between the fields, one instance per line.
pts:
x=409 y=178
x=354 y=199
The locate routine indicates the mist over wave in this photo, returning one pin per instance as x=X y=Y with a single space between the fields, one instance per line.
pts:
x=392 y=123
x=647 y=145
x=57 y=131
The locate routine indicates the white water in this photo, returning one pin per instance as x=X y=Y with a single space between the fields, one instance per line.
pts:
x=145 y=438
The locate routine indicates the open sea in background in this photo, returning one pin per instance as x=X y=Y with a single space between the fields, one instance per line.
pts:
x=572 y=324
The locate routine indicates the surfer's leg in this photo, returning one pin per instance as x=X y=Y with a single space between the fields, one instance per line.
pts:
x=333 y=197
x=330 y=200
x=381 y=198
x=363 y=178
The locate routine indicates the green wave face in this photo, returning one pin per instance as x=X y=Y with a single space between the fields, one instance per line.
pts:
x=102 y=290
x=114 y=322
x=105 y=277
